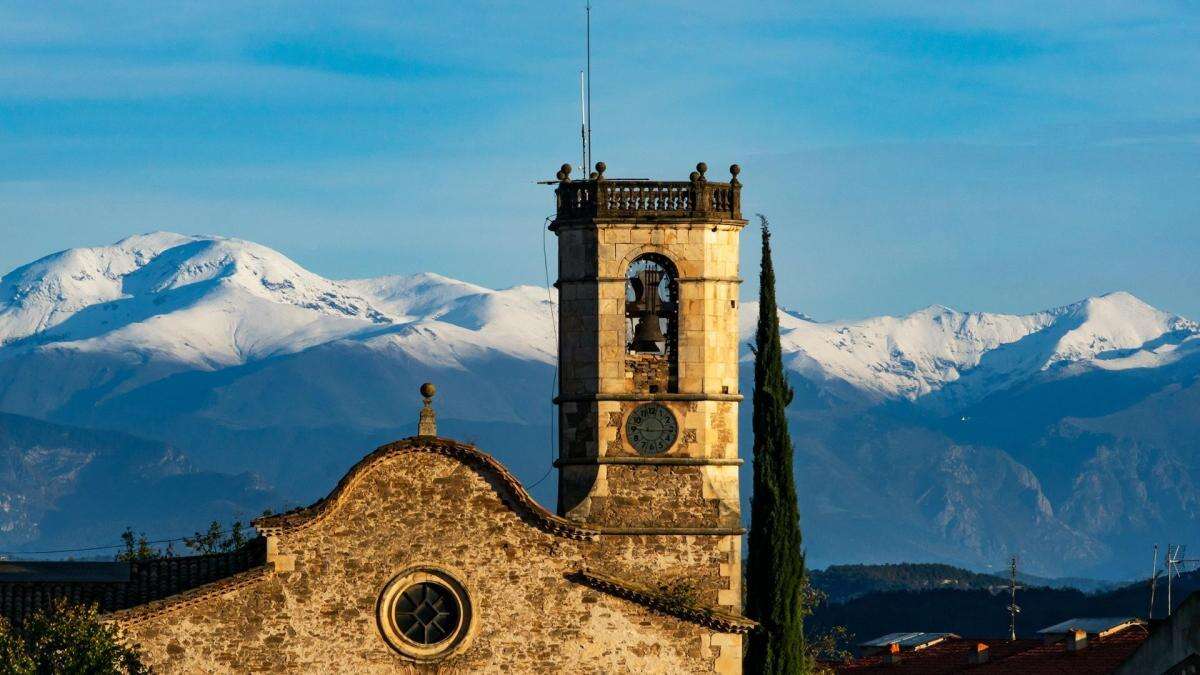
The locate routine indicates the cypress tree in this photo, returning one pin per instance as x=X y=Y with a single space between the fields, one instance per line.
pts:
x=775 y=568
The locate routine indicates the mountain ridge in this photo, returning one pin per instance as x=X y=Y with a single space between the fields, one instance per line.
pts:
x=921 y=430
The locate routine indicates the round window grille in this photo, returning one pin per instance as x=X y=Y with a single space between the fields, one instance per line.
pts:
x=427 y=613
x=424 y=614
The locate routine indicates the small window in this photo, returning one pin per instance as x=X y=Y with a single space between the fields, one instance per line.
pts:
x=425 y=614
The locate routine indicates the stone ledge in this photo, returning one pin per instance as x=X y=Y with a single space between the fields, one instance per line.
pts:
x=635 y=460
x=702 y=531
x=645 y=221
x=623 y=280
x=590 y=398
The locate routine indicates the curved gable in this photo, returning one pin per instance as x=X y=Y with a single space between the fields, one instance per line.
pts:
x=510 y=490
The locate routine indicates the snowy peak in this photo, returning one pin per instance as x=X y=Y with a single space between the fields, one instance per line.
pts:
x=211 y=302
x=252 y=268
x=907 y=356
x=1113 y=324
x=418 y=295
x=451 y=322
x=144 y=272
x=970 y=354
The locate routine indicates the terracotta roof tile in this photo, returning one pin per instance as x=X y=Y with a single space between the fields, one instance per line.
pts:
x=1027 y=657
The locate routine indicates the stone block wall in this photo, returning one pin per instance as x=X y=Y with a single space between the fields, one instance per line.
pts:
x=593 y=261
x=640 y=495
x=317 y=611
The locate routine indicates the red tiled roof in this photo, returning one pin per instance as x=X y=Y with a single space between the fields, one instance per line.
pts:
x=948 y=656
x=1102 y=655
x=1025 y=656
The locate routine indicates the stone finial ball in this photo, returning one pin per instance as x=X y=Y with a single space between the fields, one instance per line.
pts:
x=702 y=167
x=566 y=168
x=428 y=390
x=601 y=167
x=734 y=169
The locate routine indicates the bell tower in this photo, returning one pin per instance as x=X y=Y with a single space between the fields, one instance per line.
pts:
x=648 y=347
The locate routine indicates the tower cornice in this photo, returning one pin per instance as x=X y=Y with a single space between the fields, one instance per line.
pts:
x=696 y=199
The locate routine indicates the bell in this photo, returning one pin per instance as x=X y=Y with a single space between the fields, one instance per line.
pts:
x=645 y=306
x=647 y=334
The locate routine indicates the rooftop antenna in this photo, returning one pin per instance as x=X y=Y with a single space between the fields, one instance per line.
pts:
x=583 y=122
x=1173 y=560
x=585 y=101
x=1153 y=582
x=1013 y=609
x=588 y=103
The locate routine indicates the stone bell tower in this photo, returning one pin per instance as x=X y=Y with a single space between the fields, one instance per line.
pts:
x=648 y=347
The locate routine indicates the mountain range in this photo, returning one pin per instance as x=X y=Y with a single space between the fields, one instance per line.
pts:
x=1067 y=437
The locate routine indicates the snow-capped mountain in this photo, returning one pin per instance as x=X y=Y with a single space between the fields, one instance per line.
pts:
x=968 y=355
x=153 y=306
x=939 y=435
x=213 y=302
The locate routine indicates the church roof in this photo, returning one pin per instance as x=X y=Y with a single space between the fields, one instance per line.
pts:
x=511 y=490
x=715 y=619
x=26 y=587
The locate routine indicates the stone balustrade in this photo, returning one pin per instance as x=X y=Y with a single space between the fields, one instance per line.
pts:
x=622 y=197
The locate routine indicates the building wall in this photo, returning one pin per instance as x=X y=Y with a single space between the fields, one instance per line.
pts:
x=414 y=509
x=593 y=260
x=1170 y=643
x=602 y=481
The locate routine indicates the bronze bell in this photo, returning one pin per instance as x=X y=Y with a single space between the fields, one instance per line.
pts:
x=648 y=331
x=647 y=334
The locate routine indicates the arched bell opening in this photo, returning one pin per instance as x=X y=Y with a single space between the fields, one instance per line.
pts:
x=652 y=325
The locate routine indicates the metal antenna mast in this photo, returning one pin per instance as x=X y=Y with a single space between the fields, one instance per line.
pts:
x=1153 y=582
x=588 y=104
x=583 y=123
x=1174 y=558
x=1013 y=609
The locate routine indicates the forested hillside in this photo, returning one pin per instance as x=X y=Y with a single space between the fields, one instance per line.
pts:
x=982 y=612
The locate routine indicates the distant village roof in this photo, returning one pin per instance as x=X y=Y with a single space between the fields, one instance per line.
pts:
x=1092 y=626
x=909 y=641
x=1101 y=654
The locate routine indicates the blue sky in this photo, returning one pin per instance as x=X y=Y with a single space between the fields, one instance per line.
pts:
x=1003 y=156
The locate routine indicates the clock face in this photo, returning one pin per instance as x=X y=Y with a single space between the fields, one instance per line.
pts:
x=651 y=429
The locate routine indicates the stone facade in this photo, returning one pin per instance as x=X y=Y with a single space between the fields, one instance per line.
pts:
x=435 y=504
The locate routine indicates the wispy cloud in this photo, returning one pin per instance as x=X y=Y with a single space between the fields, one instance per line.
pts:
x=894 y=121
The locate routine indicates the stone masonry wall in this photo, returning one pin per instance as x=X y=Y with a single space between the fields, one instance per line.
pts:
x=645 y=495
x=593 y=261
x=419 y=509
